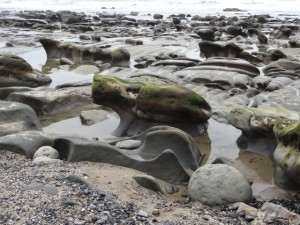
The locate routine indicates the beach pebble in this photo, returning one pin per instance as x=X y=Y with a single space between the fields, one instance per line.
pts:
x=156 y=212
x=143 y=213
x=129 y=144
x=46 y=151
x=45 y=160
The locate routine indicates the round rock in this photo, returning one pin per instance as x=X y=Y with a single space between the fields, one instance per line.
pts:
x=46 y=151
x=129 y=144
x=43 y=160
x=219 y=184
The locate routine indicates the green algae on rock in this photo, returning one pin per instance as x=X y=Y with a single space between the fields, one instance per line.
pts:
x=259 y=120
x=152 y=102
x=171 y=103
x=287 y=153
x=15 y=71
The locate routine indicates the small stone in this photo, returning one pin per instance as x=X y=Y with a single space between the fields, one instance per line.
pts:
x=143 y=213
x=248 y=210
x=67 y=202
x=129 y=144
x=92 y=206
x=171 y=189
x=80 y=223
x=234 y=206
x=155 y=212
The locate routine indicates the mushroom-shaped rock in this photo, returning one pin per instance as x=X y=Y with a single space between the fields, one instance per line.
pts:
x=287 y=153
x=219 y=184
x=78 y=53
x=253 y=121
x=154 y=102
x=15 y=71
x=211 y=49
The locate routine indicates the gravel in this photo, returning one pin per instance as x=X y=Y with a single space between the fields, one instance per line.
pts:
x=28 y=198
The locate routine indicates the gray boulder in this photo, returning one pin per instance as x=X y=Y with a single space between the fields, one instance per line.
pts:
x=16 y=117
x=53 y=102
x=219 y=184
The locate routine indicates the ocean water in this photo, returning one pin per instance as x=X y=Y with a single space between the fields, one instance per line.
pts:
x=194 y=7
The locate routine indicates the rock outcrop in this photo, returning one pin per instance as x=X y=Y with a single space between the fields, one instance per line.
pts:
x=15 y=71
x=159 y=103
x=80 y=54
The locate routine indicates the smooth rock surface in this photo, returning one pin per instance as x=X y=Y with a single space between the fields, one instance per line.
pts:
x=46 y=151
x=219 y=184
x=17 y=117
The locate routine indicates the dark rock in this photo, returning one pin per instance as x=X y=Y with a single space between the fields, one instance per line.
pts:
x=84 y=37
x=276 y=54
x=133 y=42
x=210 y=49
x=235 y=31
x=96 y=38
x=206 y=34
x=15 y=71
x=262 y=39
x=176 y=20
x=179 y=63
x=158 y=16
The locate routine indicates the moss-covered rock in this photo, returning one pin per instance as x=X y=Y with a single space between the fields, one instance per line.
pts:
x=15 y=71
x=114 y=92
x=171 y=103
x=253 y=121
x=120 y=57
x=155 y=102
x=287 y=153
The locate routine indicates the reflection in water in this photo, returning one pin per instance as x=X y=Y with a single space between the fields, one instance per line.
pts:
x=36 y=58
x=101 y=130
x=223 y=140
